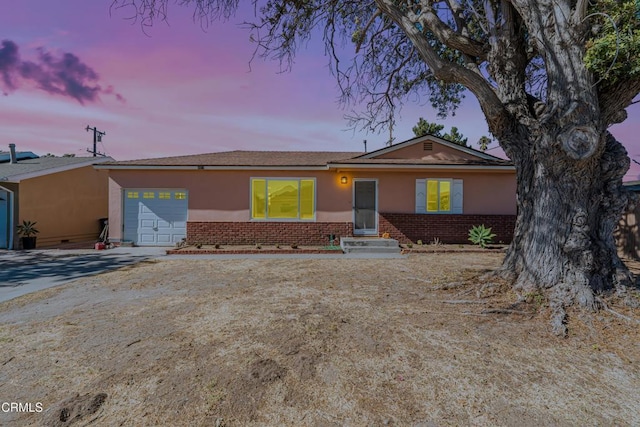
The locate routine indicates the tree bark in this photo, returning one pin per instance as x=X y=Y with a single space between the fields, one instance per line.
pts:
x=563 y=243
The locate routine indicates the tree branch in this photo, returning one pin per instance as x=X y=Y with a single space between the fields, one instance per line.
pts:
x=454 y=40
x=366 y=29
x=445 y=70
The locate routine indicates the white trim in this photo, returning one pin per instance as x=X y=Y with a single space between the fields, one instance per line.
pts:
x=368 y=231
x=420 y=140
x=283 y=178
x=36 y=174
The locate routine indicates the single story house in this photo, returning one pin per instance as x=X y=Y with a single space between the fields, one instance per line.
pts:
x=66 y=196
x=421 y=189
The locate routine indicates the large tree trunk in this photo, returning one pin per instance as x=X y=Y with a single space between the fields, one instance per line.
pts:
x=563 y=244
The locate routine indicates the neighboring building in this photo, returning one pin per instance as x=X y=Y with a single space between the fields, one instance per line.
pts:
x=424 y=188
x=627 y=234
x=66 y=196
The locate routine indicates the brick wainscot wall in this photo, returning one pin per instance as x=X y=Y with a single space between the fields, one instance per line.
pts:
x=447 y=228
x=401 y=226
x=271 y=233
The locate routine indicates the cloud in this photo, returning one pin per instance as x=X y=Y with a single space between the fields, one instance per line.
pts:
x=9 y=59
x=65 y=75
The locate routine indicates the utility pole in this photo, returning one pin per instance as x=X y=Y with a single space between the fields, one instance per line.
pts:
x=97 y=137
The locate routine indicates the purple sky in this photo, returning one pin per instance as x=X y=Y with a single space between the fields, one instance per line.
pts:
x=180 y=89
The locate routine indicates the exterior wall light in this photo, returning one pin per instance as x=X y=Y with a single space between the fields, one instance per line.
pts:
x=343 y=180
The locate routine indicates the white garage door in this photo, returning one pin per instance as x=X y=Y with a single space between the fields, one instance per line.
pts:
x=155 y=217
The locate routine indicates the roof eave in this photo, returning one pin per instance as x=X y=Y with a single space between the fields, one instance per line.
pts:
x=36 y=174
x=207 y=167
x=420 y=166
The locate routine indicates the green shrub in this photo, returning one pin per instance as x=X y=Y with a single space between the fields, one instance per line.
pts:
x=481 y=235
x=27 y=228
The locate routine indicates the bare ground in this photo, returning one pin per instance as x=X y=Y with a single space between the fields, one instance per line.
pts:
x=420 y=341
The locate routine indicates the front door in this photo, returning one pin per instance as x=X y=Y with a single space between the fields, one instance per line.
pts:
x=365 y=207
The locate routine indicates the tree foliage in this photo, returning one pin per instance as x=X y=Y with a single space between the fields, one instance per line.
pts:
x=613 y=50
x=424 y=127
x=484 y=142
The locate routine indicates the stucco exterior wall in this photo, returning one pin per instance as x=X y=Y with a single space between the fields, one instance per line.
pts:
x=417 y=151
x=66 y=205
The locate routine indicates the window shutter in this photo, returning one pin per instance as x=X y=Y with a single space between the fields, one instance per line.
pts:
x=421 y=196
x=456 y=198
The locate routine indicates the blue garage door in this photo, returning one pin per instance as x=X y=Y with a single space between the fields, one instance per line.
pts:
x=4 y=219
x=155 y=217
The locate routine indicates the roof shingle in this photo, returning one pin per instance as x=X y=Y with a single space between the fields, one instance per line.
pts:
x=245 y=158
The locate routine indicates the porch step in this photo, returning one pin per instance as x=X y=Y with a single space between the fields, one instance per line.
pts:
x=364 y=245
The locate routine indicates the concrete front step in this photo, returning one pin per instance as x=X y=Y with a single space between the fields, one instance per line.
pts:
x=369 y=245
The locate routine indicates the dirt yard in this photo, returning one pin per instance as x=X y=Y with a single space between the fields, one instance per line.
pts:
x=419 y=341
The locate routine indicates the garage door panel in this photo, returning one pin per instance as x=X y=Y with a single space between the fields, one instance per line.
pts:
x=144 y=208
x=155 y=217
x=164 y=238
x=146 y=238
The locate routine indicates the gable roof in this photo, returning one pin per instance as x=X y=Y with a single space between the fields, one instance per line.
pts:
x=456 y=157
x=33 y=168
x=425 y=138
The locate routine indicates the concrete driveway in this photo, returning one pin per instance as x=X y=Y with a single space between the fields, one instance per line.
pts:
x=23 y=272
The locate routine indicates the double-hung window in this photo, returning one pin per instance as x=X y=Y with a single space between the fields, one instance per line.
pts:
x=283 y=199
x=439 y=195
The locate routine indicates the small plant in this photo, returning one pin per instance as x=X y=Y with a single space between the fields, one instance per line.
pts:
x=198 y=245
x=436 y=242
x=386 y=235
x=277 y=245
x=217 y=246
x=294 y=246
x=409 y=245
x=481 y=235
x=419 y=242
x=535 y=298
x=258 y=246
x=27 y=229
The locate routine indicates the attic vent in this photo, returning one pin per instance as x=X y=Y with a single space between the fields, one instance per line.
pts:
x=427 y=146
